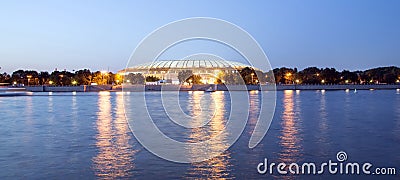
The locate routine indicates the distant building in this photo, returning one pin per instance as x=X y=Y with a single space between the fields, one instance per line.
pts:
x=169 y=69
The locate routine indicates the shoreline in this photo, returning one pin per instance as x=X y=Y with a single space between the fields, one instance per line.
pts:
x=87 y=88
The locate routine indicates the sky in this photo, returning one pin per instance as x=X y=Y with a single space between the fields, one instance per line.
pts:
x=99 y=35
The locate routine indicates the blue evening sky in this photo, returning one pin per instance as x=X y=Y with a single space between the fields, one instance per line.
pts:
x=44 y=35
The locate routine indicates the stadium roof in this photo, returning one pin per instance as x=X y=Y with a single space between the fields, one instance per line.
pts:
x=190 y=64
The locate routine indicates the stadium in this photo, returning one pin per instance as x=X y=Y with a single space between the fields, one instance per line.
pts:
x=168 y=69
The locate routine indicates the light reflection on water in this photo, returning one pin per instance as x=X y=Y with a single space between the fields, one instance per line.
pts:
x=115 y=156
x=290 y=139
x=217 y=167
x=86 y=136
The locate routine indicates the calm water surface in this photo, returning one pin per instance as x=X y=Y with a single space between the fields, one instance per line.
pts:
x=64 y=136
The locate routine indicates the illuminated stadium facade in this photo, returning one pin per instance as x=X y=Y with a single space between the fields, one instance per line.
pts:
x=169 y=69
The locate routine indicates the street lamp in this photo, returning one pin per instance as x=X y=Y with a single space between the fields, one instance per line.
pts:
x=104 y=73
x=61 y=77
x=322 y=81
x=252 y=78
x=288 y=75
x=29 y=78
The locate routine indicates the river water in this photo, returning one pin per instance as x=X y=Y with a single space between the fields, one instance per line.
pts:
x=86 y=135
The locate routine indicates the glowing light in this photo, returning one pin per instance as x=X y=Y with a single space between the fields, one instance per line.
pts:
x=288 y=74
x=322 y=81
x=74 y=82
x=347 y=81
x=347 y=90
x=371 y=89
x=297 y=81
x=323 y=91
x=288 y=91
x=254 y=92
x=397 y=81
x=74 y=93
x=15 y=83
x=104 y=93
x=51 y=82
x=317 y=74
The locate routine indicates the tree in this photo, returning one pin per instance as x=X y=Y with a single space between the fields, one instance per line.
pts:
x=194 y=79
x=152 y=79
x=285 y=75
x=184 y=75
x=233 y=78
x=18 y=76
x=43 y=77
x=118 y=78
x=310 y=75
x=249 y=75
x=99 y=78
x=348 y=77
x=83 y=77
x=63 y=78
x=5 y=78
x=135 y=78
x=330 y=75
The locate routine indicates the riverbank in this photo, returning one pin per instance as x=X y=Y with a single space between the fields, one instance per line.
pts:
x=83 y=88
x=206 y=86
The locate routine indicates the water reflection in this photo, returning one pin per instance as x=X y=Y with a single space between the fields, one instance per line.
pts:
x=290 y=137
x=254 y=109
x=397 y=111
x=115 y=154
x=323 y=126
x=217 y=167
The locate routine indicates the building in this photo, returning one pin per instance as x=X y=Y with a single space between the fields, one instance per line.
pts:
x=168 y=70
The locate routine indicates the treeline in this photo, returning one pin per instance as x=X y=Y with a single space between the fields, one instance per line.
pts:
x=310 y=75
x=284 y=75
x=60 y=78
x=314 y=75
